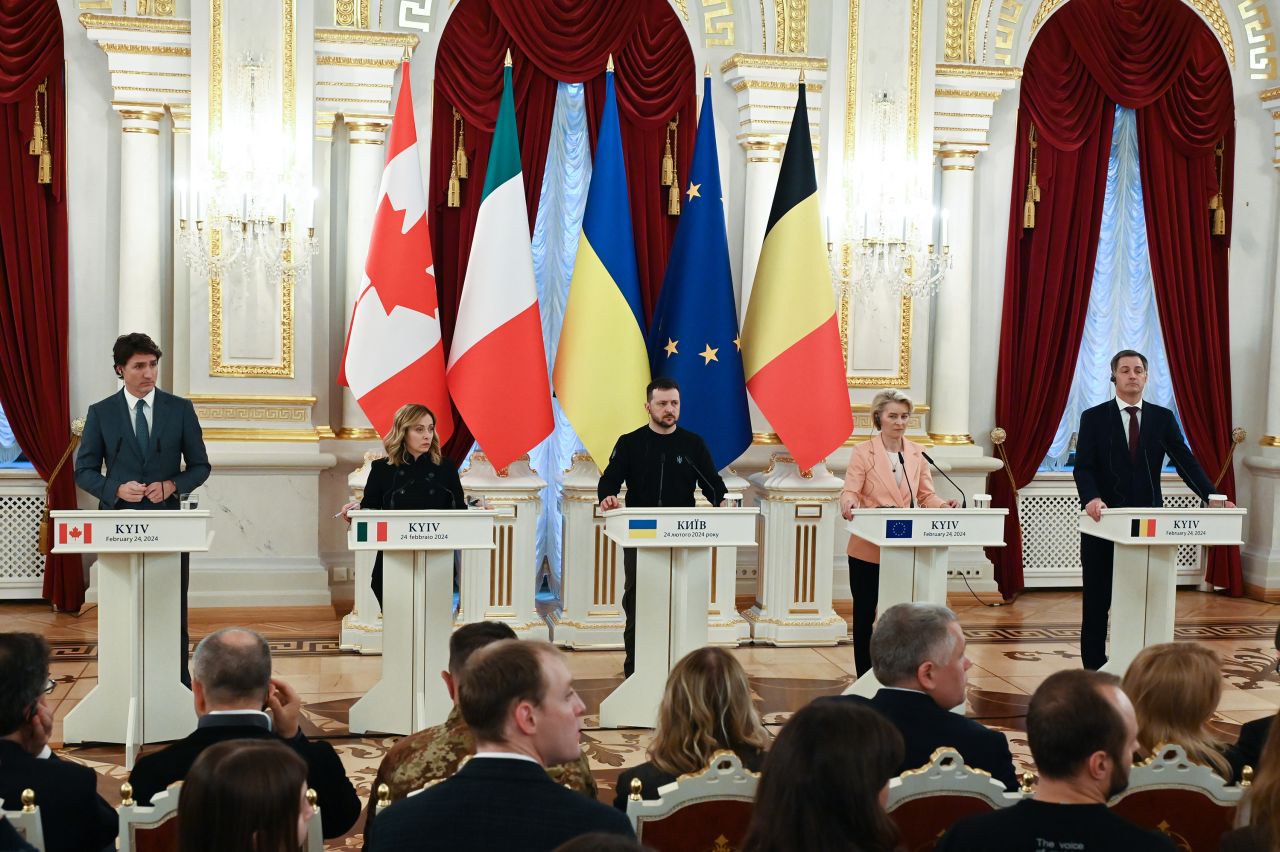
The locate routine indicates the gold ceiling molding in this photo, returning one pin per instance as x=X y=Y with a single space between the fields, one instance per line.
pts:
x=977 y=94
x=146 y=49
x=357 y=62
x=971 y=37
x=92 y=21
x=979 y=71
x=764 y=60
x=249 y=399
x=953 y=37
x=776 y=85
x=231 y=433
x=337 y=36
x=138 y=73
x=1268 y=95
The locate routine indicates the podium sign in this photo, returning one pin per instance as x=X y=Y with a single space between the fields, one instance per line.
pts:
x=915 y=548
x=1144 y=578
x=673 y=594
x=139 y=697
x=417 y=610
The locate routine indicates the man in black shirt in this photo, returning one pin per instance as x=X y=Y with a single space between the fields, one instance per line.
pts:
x=1083 y=732
x=661 y=465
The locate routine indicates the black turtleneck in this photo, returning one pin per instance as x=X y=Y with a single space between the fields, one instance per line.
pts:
x=661 y=470
x=413 y=484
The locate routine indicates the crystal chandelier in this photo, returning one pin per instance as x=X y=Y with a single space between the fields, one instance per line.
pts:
x=244 y=218
x=894 y=251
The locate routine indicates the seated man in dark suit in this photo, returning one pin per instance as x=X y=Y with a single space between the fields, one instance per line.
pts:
x=519 y=702
x=435 y=753
x=1247 y=750
x=72 y=814
x=918 y=653
x=236 y=698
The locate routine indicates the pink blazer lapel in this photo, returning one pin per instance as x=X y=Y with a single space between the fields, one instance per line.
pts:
x=884 y=474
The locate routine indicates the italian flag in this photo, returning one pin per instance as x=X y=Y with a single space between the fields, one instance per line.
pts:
x=790 y=341
x=497 y=371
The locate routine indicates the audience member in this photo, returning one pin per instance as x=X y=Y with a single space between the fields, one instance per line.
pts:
x=519 y=702
x=244 y=795
x=236 y=698
x=918 y=653
x=597 y=842
x=1247 y=750
x=72 y=814
x=705 y=708
x=1175 y=688
x=825 y=782
x=1082 y=731
x=1261 y=829
x=435 y=753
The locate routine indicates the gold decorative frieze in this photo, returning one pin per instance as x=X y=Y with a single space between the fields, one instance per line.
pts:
x=1047 y=8
x=761 y=60
x=1261 y=39
x=1007 y=29
x=977 y=94
x=357 y=62
x=250 y=399
x=339 y=36
x=92 y=21
x=683 y=6
x=971 y=36
x=269 y=414
x=1212 y=12
x=145 y=49
x=791 y=26
x=979 y=71
x=953 y=36
x=776 y=85
x=96 y=4
x=233 y=433
x=717 y=23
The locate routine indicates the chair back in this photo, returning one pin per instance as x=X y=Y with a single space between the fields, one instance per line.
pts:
x=1187 y=802
x=925 y=802
x=149 y=828
x=700 y=812
x=27 y=820
x=315 y=833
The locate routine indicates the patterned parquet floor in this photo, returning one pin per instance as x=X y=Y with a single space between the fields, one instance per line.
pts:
x=1013 y=648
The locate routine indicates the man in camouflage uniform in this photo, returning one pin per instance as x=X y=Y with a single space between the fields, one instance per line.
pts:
x=435 y=754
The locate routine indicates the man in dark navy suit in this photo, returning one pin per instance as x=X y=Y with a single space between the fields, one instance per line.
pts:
x=142 y=435
x=1120 y=449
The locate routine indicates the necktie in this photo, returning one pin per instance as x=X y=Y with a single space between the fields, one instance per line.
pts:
x=140 y=427
x=1133 y=432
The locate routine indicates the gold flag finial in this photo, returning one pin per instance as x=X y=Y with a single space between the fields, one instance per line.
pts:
x=609 y=67
x=507 y=62
x=706 y=72
x=407 y=55
x=802 y=76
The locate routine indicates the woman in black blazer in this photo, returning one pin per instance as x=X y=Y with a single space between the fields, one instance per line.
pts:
x=414 y=475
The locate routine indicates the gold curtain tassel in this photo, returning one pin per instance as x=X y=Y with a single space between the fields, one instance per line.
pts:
x=45 y=175
x=1033 y=187
x=462 y=159
x=673 y=200
x=1219 y=222
x=455 y=188
x=668 y=165
x=1029 y=214
x=1218 y=203
x=39 y=142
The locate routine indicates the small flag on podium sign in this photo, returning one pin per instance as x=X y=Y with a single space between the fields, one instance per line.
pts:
x=790 y=340
x=394 y=354
x=694 y=338
x=379 y=530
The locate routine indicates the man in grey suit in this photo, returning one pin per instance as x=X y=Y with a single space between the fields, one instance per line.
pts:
x=142 y=436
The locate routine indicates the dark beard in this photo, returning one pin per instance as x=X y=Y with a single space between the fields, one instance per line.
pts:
x=1119 y=780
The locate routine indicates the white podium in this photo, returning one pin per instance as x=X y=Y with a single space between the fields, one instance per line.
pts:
x=417 y=617
x=139 y=697
x=915 y=547
x=673 y=590
x=1144 y=572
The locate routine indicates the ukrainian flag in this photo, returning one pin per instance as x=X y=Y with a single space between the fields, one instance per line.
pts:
x=602 y=365
x=642 y=528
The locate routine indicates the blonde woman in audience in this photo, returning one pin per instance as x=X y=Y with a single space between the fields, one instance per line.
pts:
x=705 y=708
x=1261 y=811
x=1175 y=688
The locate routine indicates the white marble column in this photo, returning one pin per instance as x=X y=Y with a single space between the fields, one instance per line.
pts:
x=141 y=231
x=365 y=161
x=361 y=629
x=321 y=280
x=950 y=349
x=1260 y=556
x=179 y=357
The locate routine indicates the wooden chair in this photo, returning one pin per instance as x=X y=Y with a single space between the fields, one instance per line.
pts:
x=1188 y=802
x=710 y=810
x=925 y=802
x=27 y=820
x=149 y=828
x=315 y=834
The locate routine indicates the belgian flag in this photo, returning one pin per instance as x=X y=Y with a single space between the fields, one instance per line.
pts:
x=790 y=340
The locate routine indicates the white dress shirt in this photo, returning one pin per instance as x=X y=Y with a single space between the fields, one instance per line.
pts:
x=132 y=401
x=1124 y=415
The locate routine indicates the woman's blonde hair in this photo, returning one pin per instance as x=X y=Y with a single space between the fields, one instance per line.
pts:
x=885 y=397
x=1175 y=688
x=1264 y=795
x=705 y=707
x=406 y=416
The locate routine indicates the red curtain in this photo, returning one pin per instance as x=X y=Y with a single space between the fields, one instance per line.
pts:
x=33 y=263
x=552 y=41
x=1154 y=56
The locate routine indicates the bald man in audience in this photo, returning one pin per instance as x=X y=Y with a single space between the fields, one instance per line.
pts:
x=519 y=702
x=918 y=654
x=1083 y=733
x=236 y=698
x=435 y=753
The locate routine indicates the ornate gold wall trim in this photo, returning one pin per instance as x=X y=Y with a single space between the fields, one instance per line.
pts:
x=145 y=49
x=979 y=71
x=140 y=24
x=357 y=62
x=851 y=100
x=776 y=85
x=971 y=38
x=902 y=378
x=1269 y=94
x=96 y=4
x=683 y=6
x=232 y=433
x=765 y=60
x=216 y=47
x=337 y=36
x=791 y=26
x=249 y=399
x=1217 y=18
x=1047 y=8
x=915 y=48
x=978 y=94
x=953 y=36
x=253 y=413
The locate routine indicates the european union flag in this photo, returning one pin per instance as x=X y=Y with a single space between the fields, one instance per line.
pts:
x=694 y=336
x=897 y=529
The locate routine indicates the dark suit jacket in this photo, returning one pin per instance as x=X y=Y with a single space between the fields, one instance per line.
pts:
x=339 y=805
x=74 y=817
x=495 y=804
x=109 y=438
x=1103 y=467
x=651 y=778
x=926 y=727
x=1248 y=749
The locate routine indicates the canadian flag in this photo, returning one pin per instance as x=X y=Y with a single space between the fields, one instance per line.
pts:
x=394 y=354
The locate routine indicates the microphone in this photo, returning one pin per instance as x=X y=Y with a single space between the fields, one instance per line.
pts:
x=964 y=504
x=662 y=472
x=701 y=477
x=902 y=463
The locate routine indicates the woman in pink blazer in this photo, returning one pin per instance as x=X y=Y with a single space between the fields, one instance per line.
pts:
x=886 y=471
